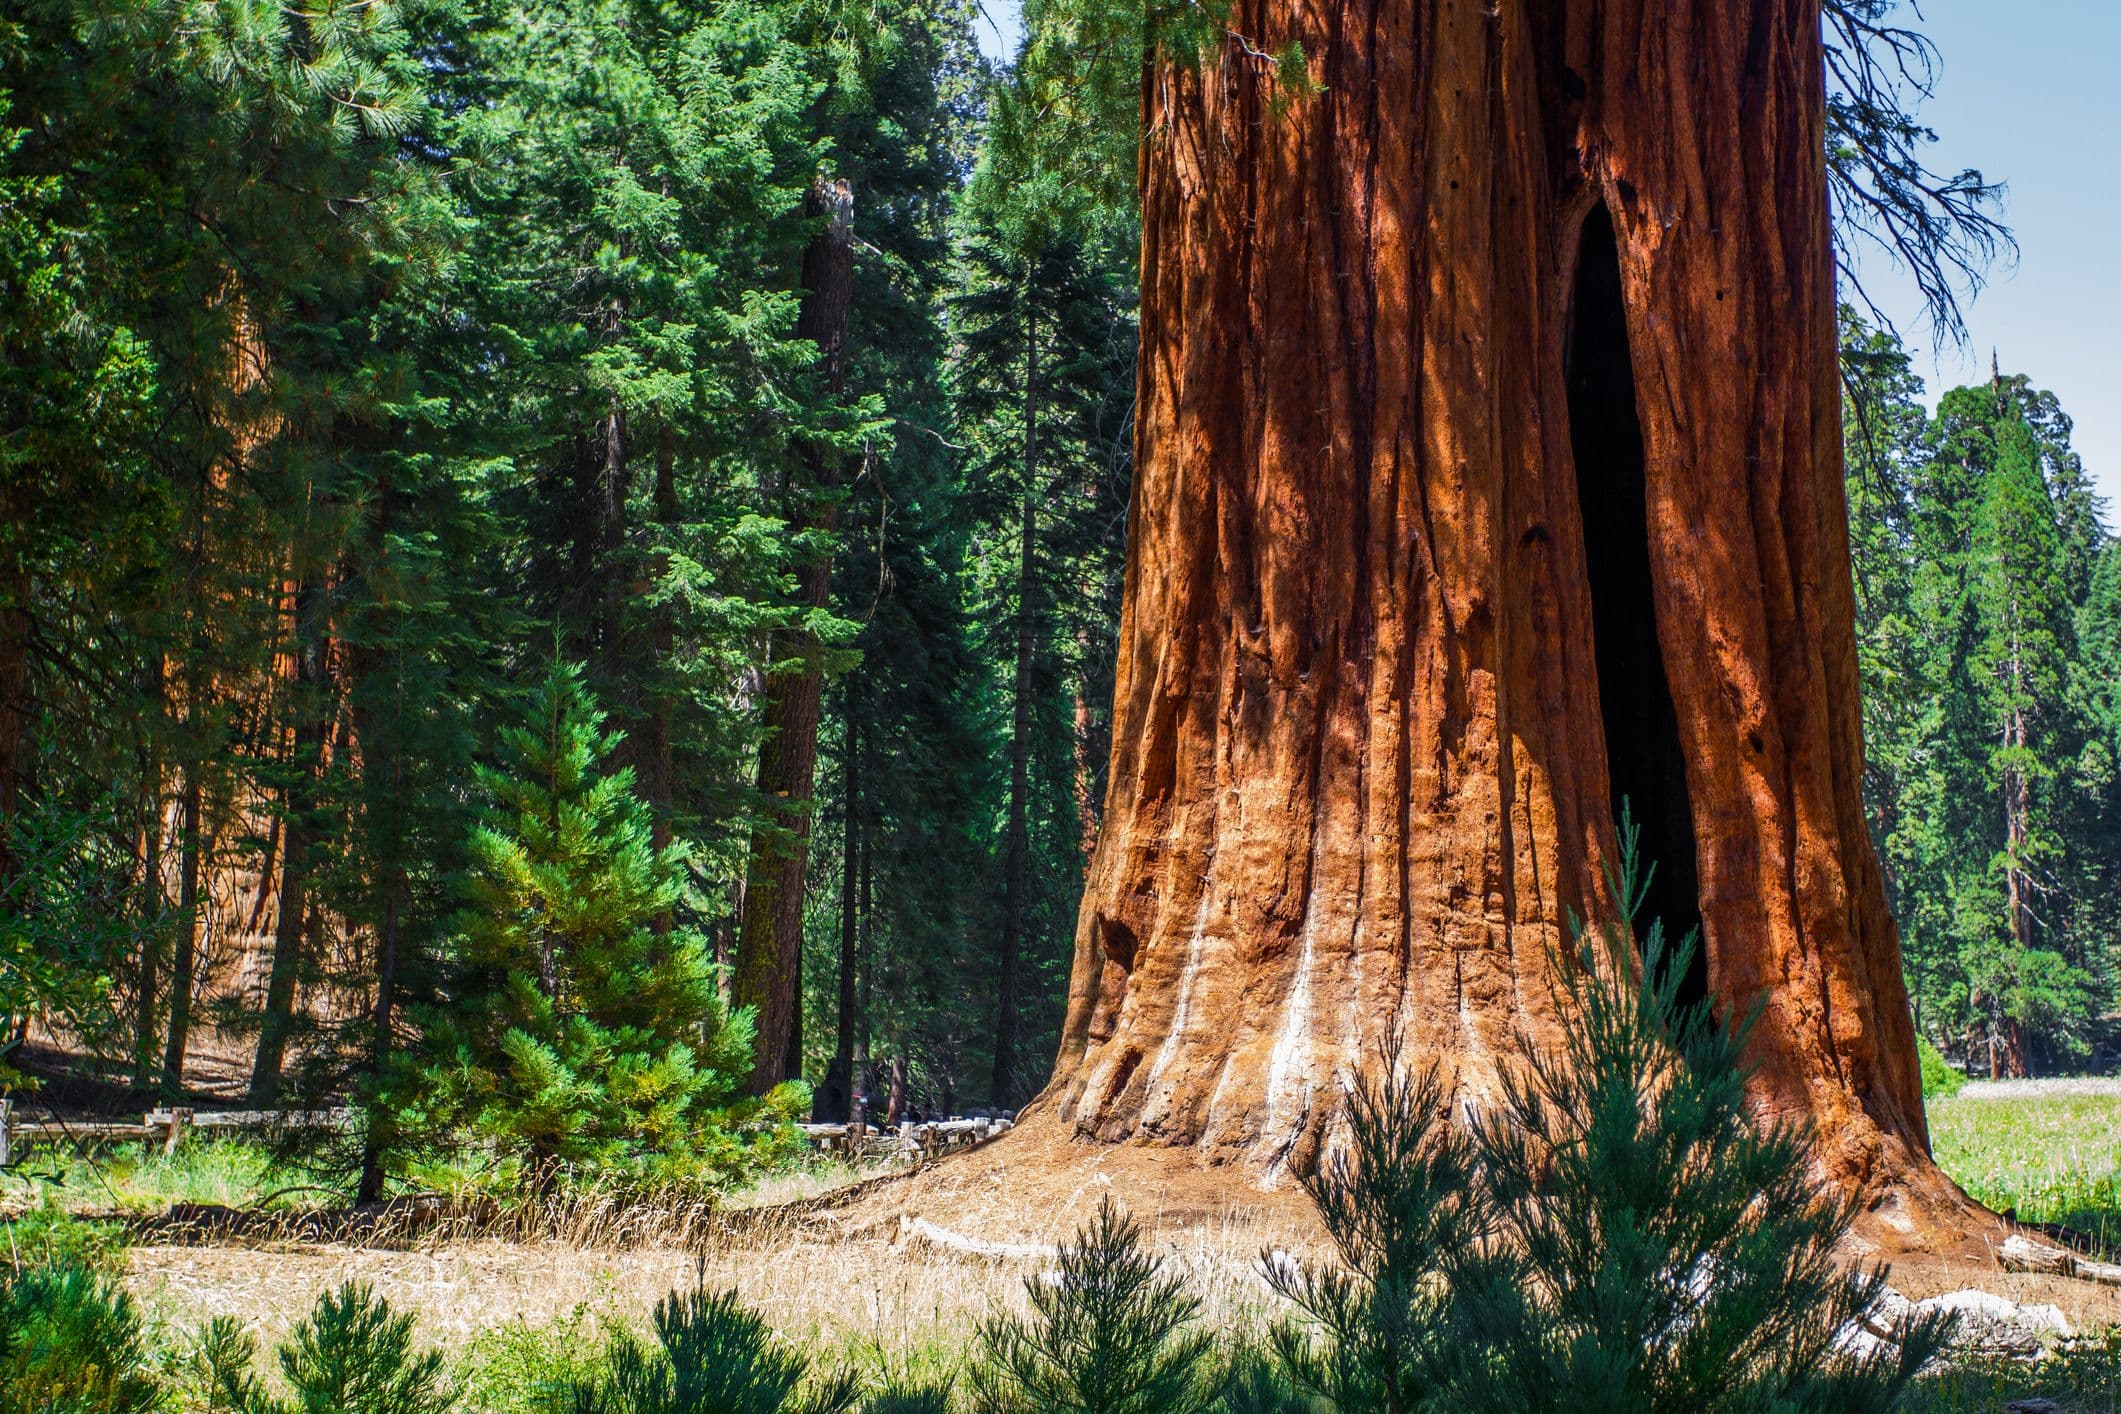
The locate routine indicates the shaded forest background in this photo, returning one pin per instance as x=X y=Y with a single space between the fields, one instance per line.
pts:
x=383 y=380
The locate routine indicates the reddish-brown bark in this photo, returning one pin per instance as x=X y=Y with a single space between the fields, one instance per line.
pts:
x=1359 y=770
x=767 y=974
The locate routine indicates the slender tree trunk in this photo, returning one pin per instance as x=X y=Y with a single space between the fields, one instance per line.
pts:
x=769 y=947
x=382 y=1021
x=380 y=742
x=148 y=982
x=1508 y=272
x=661 y=766
x=864 y=1069
x=2017 y=811
x=839 y=1088
x=184 y=963
x=613 y=487
x=1017 y=860
x=15 y=623
x=895 y=1107
x=296 y=827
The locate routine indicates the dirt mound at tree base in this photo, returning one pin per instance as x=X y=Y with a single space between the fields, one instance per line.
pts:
x=1037 y=1184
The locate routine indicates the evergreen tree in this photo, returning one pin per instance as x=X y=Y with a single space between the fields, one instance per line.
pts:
x=574 y=1033
x=1970 y=533
x=2017 y=979
x=1044 y=377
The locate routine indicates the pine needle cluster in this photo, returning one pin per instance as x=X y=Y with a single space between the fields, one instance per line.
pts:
x=351 y=1355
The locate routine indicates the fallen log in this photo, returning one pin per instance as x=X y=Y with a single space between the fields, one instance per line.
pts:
x=921 y=1230
x=2021 y=1254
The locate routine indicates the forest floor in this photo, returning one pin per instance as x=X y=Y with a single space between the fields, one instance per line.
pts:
x=841 y=1263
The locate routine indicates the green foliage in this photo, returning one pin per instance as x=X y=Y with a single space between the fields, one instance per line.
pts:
x=1409 y=1217
x=1976 y=548
x=512 y=1369
x=48 y=1236
x=580 y=1032
x=71 y=1343
x=1669 y=1252
x=2085 y=1376
x=908 y=1399
x=711 y=1356
x=1107 y=1334
x=351 y=1355
x=1940 y=1078
x=2052 y=1155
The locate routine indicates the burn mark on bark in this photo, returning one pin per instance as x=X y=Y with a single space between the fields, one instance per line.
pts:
x=1645 y=765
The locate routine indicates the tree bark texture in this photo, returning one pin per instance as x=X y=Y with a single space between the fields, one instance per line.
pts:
x=1359 y=774
x=311 y=707
x=769 y=950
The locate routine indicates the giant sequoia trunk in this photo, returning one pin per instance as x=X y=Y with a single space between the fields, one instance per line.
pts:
x=1488 y=471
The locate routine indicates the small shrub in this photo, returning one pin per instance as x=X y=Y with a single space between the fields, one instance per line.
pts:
x=513 y=1367
x=71 y=1343
x=903 y=1398
x=1613 y=1234
x=351 y=1355
x=712 y=1356
x=48 y=1236
x=1107 y=1336
x=1940 y=1078
x=1408 y=1217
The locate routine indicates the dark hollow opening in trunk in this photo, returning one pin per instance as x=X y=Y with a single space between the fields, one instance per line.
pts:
x=1644 y=764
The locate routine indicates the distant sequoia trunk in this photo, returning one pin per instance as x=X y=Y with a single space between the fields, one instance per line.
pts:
x=1488 y=473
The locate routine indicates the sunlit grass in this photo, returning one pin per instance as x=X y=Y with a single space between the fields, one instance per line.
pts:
x=141 y=1178
x=2051 y=1150
x=138 y=1179
x=2084 y=1379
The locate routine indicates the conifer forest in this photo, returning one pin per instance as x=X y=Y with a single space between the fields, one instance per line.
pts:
x=590 y=589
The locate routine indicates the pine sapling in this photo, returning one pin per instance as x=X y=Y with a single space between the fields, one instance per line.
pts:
x=1407 y=1215
x=1107 y=1335
x=351 y=1355
x=71 y=1340
x=1677 y=1254
x=712 y=1355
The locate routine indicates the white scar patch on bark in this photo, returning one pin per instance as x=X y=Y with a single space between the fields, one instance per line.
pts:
x=1195 y=946
x=1289 y=1060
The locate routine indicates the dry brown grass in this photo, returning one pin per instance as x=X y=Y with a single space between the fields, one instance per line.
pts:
x=830 y=1278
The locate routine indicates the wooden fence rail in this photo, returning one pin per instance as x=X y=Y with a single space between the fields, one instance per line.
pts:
x=167 y=1127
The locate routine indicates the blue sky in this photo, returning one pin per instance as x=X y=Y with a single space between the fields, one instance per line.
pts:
x=2023 y=95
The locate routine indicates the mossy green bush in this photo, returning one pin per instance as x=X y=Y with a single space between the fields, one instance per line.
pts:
x=1940 y=1078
